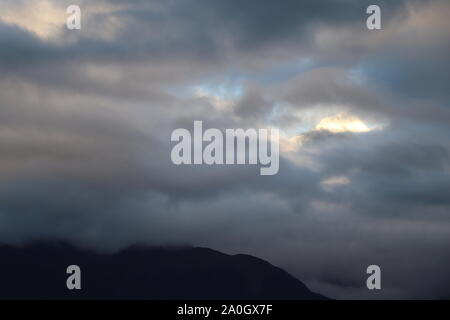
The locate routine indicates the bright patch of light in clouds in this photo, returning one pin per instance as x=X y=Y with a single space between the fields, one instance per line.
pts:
x=222 y=96
x=342 y=122
x=329 y=184
x=217 y=101
x=42 y=17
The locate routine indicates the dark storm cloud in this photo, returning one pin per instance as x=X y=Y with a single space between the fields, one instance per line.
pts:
x=328 y=86
x=192 y=30
x=253 y=105
x=413 y=63
x=389 y=179
x=255 y=25
x=86 y=118
x=415 y=77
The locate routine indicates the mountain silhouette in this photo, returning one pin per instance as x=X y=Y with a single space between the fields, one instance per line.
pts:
x=38 y=271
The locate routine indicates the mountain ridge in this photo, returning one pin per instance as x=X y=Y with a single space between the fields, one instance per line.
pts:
x=38 y=271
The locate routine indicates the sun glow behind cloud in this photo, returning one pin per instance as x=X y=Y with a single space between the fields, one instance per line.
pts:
x=42 y=17
x=301 y=147
x=331 y=183
x=47 y=19
x=342 y=122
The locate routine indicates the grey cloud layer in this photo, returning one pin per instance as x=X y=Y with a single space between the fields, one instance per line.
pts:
x=85 y=124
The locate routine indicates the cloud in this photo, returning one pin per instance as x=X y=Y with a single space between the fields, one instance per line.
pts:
x=86 y=118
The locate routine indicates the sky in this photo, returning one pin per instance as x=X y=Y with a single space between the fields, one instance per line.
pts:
x=86 y=118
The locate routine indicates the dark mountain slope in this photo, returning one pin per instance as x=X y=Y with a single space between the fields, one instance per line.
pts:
x=39 y=272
